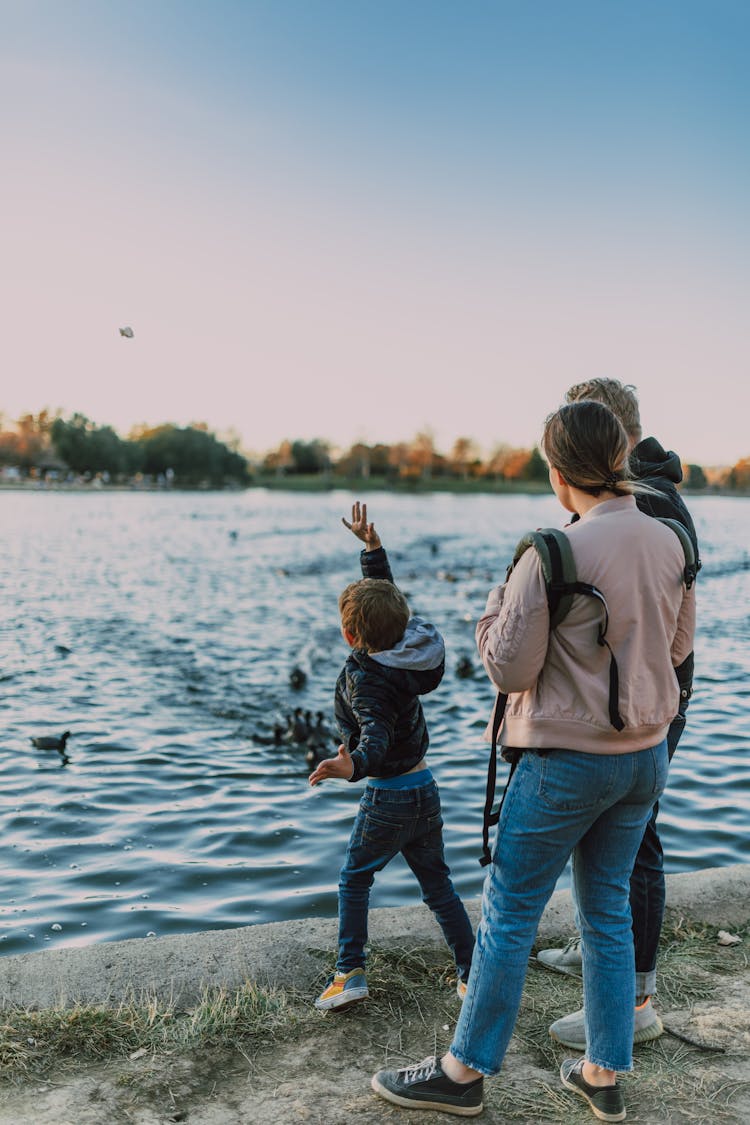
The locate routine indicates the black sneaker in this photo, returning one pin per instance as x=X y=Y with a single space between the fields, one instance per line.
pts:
x=607 y=1102
x=426 y=1086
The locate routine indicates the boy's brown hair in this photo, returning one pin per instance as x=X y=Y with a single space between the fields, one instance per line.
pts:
x=374 y=612
x=619 y=397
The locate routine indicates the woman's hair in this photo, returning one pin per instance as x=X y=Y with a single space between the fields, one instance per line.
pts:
x=588 y=445
x=620 y=397
x=374 y=612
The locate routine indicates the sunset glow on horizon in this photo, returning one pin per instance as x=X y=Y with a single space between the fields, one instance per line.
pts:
x=356 y=222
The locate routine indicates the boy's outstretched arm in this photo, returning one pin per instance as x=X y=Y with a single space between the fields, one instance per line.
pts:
x=340 y=766
x=361 y=528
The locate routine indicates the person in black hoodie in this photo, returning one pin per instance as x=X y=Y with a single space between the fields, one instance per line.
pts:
x=660 y=469
x=394 y=659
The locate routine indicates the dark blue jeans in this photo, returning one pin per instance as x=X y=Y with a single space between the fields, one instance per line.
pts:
x=648 y=889
x=408 y=821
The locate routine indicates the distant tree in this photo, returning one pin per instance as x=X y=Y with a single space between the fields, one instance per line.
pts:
x=280 y=460
x=33 y=438
x=310 y=456
x=421 y=457
x=398 y=458
x=355 y=462
x=739 y=475
x=88 y=448
x=193 y=454
x=8 y=447
x=535 y=468
x=509 y=463
x=463 y=455
x=380 y=459
x=695 y=477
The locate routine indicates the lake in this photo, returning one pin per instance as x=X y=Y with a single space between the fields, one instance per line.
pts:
x=160 y=629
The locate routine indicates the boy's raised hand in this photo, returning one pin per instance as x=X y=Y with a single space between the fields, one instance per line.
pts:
x=340 y=766
x=361 y=528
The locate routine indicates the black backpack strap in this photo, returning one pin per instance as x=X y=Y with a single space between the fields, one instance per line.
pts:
x=601 y=639
x=692 y=566
x=491 y=818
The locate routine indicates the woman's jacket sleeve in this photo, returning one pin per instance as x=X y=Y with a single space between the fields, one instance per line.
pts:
x=513 y=632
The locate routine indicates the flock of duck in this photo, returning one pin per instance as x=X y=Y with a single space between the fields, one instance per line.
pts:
x=299 y=729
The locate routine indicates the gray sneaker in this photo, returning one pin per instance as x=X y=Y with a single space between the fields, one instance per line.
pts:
x=565 y=960
x=571 y=1030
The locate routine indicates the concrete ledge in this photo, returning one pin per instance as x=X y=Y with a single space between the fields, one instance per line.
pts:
x=282 y=953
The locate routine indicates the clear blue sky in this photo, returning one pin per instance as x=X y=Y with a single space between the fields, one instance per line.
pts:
x=356 y=220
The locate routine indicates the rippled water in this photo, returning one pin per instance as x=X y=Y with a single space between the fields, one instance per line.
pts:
x=161 y=630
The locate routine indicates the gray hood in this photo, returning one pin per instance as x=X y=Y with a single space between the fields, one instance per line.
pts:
x=420 y=649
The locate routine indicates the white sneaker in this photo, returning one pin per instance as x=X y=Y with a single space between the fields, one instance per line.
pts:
x=566 y=960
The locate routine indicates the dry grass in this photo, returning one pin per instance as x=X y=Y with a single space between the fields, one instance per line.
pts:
x=33 y=1042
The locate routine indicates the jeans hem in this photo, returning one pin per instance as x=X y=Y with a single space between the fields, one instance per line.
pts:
x=645 y=983
x=610 y=1066
x=466 y=1062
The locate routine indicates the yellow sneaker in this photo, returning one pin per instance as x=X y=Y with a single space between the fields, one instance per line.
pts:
x=342 y=990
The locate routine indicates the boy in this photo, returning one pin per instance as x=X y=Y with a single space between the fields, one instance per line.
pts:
x=395 y=658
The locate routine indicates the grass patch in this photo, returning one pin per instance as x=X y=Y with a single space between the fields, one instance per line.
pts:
x=33 y=1042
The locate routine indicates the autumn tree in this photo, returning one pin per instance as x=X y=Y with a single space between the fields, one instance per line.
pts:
x=739 y=475
x=508 y=463
x=279 y=459
x=463 y=455
x=32 y=438
x=421 y=456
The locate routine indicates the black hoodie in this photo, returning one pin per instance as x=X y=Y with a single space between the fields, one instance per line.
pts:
x=650 y=463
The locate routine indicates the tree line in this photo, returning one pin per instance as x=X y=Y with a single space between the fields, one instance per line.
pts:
x=47 y=446
x=54 y=447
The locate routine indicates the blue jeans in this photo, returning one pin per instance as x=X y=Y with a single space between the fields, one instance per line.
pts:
x=390 y=821
x=562 y=802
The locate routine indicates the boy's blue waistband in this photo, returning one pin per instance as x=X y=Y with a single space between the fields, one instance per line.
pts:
x=403 y=781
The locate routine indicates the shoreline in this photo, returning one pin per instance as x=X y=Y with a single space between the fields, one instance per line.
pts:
x=278 y=954
x=346 y=484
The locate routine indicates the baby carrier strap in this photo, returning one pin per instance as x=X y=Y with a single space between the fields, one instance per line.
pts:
x=561 y=582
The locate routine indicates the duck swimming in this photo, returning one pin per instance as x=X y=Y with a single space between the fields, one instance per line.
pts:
x=51 y=741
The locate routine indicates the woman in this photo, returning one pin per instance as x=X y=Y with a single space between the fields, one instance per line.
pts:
x=581 y=786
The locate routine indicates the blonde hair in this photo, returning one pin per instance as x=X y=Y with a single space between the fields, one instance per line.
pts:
x=620 y=397
x=374 y=612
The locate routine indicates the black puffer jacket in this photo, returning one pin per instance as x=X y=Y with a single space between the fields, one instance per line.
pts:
x=377 y=706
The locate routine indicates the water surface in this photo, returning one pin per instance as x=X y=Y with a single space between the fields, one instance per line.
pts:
x=161 y=629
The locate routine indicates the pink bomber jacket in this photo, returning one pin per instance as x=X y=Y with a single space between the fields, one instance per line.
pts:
x=558 y=680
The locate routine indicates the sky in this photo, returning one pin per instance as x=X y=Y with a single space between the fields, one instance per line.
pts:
x=355 y=220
